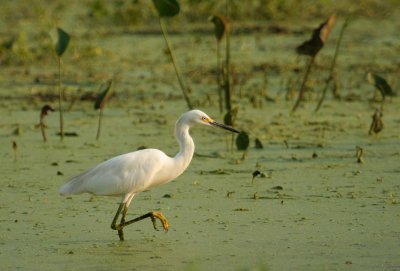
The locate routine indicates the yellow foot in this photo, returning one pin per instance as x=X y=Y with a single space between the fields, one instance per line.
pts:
x=162 y=219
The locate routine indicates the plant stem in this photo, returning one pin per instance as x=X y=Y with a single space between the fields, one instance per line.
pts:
x=219 y=79
x=99 y=124
x=332 y=68
x=177 y=71
x=382 y=102
x=227 y=83
x=60 y=100
x=42 y=126
x=302 y=88
x=15 y=149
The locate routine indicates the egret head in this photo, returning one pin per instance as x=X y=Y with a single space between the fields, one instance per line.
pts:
x=198 y=117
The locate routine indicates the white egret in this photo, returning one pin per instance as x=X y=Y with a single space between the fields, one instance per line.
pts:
x=128 y=174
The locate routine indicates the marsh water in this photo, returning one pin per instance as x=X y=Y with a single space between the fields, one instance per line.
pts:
x=314 y=207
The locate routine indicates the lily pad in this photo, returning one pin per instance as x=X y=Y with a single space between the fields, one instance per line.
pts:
x=242 y=141
x=61 y=41
x=167 y=8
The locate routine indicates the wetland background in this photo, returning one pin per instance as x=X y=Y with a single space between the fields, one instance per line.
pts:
x=314 y=205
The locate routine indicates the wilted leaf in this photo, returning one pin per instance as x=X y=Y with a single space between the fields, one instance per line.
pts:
x=61 y=41
x=242 y=141
x=258 y=144
x=167 y=8
x=319 y=37
x=220 y=26
x=326 y=28
x=377 y=123
x=104 y=94
x=381 y=84
x=45 y=109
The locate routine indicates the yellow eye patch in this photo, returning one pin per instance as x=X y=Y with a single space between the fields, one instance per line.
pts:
x=205 y=119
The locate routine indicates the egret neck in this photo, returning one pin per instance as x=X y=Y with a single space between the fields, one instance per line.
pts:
x=186 y=145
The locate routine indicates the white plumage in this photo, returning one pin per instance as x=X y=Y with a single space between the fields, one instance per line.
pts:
x=124 y=174
x=128 y=174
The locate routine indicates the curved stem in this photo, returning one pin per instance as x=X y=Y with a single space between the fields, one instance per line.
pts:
x=219 y=79
x=42 y=127
x=332 y=68
x=301 y=92
x=60 y=100
x=177 y=71
x=99 y=124
x=227 y=83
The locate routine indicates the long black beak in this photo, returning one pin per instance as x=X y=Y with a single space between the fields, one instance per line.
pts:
x=223 y=126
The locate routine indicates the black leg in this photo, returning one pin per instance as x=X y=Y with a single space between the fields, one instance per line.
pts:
x=119 y=227
x=153 y=215
x=114 y=222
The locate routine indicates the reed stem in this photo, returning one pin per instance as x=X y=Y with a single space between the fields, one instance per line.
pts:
x=177 y=70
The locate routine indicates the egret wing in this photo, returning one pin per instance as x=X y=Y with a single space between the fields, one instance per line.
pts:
x=127 y=173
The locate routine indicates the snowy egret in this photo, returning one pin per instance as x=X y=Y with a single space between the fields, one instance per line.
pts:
x=128 y=174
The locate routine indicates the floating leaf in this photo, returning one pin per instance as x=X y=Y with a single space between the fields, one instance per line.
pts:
x=381 y=84
x=242 y=141
x=258 y=144
x=71 y=134
x=167 y=8
x=61 y=41
x=220 y=26
x=319 y=37
x=104 y=95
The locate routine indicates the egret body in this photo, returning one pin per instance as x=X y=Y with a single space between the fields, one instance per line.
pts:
x=128 y=174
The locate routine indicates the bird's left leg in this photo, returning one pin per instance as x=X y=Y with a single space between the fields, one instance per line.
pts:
x=153 y=215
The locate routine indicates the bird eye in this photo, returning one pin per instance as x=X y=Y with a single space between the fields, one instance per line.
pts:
x=204 y=119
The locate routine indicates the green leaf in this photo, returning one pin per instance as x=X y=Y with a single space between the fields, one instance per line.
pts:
x=167 y=8
x=105 y=92
x=61 y=41
x=381 y=84
x=242 y=141
x=230 y=117
x=220 y=26
x=258 y=144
